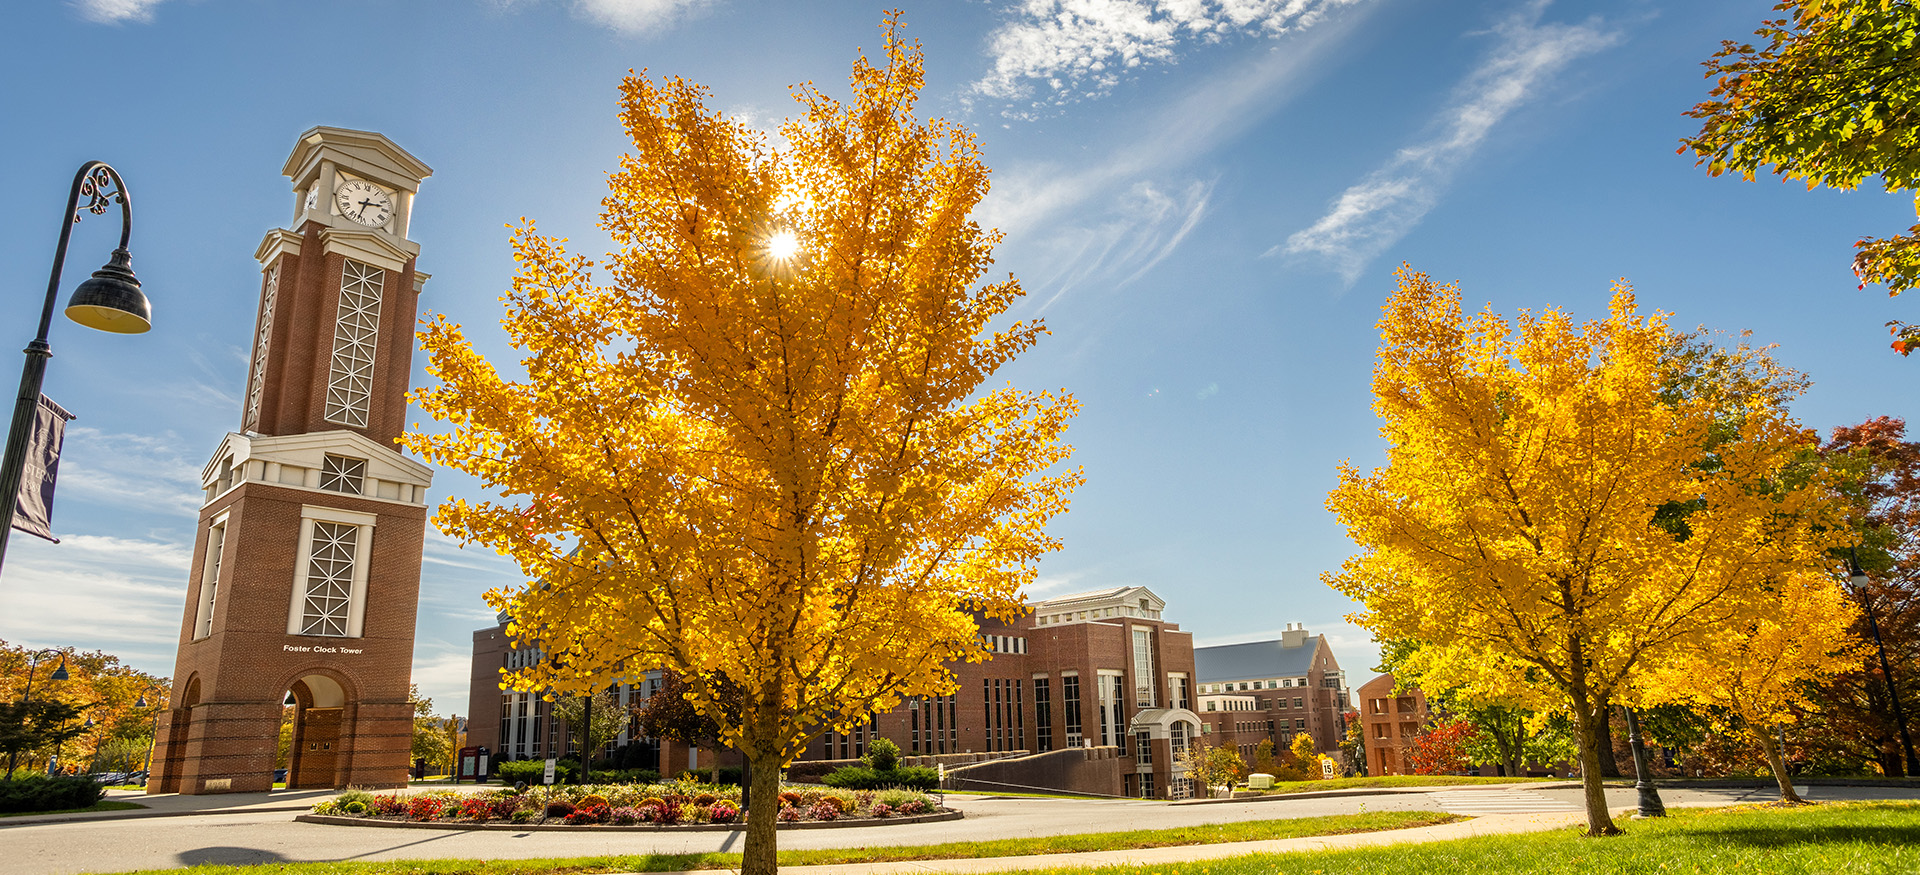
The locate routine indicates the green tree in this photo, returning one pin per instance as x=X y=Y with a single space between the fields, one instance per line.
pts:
x=609 y=719
x=430 y=741
x=1830 y=95
x=31 y=727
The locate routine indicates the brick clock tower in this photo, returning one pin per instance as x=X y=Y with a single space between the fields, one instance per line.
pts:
x=306 y=570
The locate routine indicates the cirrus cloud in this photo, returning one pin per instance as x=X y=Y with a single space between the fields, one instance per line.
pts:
x=1081 y=49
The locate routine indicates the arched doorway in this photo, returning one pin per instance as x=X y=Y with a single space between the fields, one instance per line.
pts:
x=319 y=706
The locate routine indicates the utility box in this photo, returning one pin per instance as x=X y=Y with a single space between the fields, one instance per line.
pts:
x=1259 y=781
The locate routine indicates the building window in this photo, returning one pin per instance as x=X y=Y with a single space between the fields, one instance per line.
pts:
x=1144 y=744
x=330 y=582
x=261 y=338
x=1300 y=723
x=1110 y=693
x=1299 y=702
x=1042 y=716
x=1178 y=691
x=1142 y=669
x=1070 y=697
x=1146 y=785
x=210 y=579
x=356 y=327
x=330 y=565
x=341 y=474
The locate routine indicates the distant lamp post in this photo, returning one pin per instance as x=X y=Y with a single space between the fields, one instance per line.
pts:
x=59 y=674
x=1650 y=804
x=154 y=740
x=110 y=301
x=1859 y=579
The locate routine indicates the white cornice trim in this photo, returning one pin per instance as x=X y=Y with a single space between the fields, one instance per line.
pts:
x=278 y=242
x=420 y=281
x=366 y=153
x=372 y=247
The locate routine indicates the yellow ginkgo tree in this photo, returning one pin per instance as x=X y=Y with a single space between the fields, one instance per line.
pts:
x=756 y=450
x=1559 y=512
x=1758 y=671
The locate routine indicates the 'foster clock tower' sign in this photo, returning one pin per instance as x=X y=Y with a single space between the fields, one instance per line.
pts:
x=306 y=571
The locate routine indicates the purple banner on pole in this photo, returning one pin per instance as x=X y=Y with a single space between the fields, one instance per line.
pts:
x=35 y=509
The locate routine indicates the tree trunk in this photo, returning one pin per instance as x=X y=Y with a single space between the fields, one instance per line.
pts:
x=761 y=856
x=1599 y=820
x=1778 y=762
x=1609 y=765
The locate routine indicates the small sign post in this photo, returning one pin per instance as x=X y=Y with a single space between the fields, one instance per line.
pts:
x=549 y=776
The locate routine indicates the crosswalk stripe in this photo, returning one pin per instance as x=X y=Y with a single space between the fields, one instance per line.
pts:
x=1497 y=802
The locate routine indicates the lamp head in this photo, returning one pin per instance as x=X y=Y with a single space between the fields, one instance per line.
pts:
x=142 y=703
x=60 y=674
x=111 y=299
x=1855 y=574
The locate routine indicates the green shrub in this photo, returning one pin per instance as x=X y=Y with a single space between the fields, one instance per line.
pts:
x=864 y=778
x=882 y=755
x=39 y=793
x=623 y=776
x=534 y=772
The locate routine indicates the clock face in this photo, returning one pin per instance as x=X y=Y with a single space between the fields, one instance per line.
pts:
x=364 y=202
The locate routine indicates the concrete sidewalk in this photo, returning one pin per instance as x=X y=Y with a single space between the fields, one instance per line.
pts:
x=1494 y=824
x=177 y=805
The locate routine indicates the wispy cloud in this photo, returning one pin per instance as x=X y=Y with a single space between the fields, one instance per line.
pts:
x=127 y=471
x=1055 y=52
x=1116 y=215
x=1376 y=212
x=122 y=595
x=115 y=11
x=1142 y=228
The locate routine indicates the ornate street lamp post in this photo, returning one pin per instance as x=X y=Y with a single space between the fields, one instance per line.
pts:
x=1650 y=804
x=1859 y=579
x=110 y=301
x=59 y=674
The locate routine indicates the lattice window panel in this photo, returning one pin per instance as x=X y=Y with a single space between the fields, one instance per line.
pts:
x=341 y=474
x=260 y=348
x=329 y=580
x=356 y=326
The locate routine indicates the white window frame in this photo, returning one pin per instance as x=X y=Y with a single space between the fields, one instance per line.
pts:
x=362 y=552
x=210 y=565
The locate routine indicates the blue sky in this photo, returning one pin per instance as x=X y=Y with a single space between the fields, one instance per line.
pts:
x=1206 y=200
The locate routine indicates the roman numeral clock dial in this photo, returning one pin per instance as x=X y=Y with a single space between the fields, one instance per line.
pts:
x=364 y=202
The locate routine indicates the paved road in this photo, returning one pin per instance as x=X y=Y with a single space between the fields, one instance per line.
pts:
x=162 y=842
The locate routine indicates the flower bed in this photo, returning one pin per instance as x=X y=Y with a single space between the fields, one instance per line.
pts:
x=671 y=804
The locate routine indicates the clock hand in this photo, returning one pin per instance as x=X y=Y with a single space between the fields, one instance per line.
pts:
x=367 y=204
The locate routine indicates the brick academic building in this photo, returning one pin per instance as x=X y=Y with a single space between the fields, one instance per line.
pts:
x=1272 y=691
x=1099 y=670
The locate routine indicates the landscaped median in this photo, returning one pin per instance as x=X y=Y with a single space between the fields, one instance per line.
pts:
x=674 y=805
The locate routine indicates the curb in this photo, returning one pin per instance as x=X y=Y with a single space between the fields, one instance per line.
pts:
x=335 y=820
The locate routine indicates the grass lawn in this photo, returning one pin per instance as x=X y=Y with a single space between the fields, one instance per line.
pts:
x=1283 y=787
x=102 y=805
x=1866 y=837
x=1146 y=838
